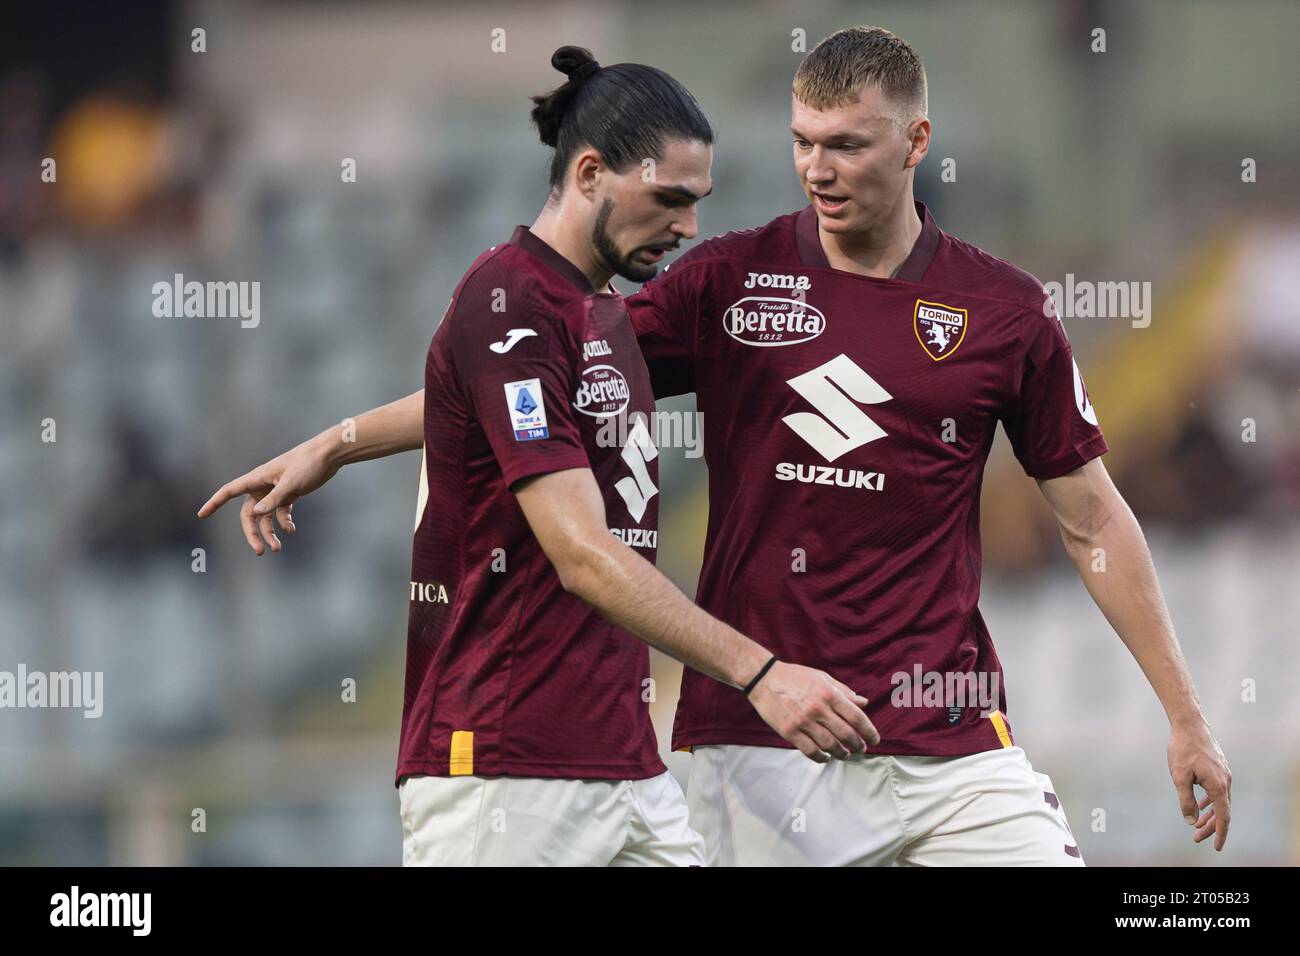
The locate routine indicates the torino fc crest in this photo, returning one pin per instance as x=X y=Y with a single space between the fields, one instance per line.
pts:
x=939 y=328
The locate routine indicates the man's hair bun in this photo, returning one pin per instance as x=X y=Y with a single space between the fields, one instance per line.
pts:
x=577 y=64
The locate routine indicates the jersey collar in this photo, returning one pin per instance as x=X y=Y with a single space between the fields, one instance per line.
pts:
x=527 y=240
x=913 y=267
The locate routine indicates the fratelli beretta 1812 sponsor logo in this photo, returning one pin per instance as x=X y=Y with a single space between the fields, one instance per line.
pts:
x=602 y=391
x=764 y=320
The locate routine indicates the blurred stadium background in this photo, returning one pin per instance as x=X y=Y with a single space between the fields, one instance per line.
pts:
x=223 y=688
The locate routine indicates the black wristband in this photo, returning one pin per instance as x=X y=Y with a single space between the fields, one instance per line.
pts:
x=759 y=676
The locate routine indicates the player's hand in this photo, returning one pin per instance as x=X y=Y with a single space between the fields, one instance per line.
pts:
x=814 y=711
x=1195 y=758
x=273 y=487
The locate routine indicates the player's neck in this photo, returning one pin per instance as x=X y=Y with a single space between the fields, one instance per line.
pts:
x=571 y=240
x=878 y=252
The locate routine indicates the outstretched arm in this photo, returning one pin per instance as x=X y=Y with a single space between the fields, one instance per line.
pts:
x=275 y=485
x=1110 y=552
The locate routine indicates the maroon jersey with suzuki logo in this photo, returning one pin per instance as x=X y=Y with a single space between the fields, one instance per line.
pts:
x=507 y=673
x=847 y=421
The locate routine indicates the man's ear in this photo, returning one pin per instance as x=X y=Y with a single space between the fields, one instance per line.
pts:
x=918 y=134
x=587 y=170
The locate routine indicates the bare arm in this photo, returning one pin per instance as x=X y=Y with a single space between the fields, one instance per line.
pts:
x=378 y=433
x=275 y=485
x=807 y=707
x=1107 y=546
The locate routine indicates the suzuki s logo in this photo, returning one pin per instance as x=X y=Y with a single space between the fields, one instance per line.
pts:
x=637 y=491
x=833 y=389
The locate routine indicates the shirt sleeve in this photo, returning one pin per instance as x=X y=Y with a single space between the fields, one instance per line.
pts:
x=516 y=366
x=664 y=315
x=1049 y=418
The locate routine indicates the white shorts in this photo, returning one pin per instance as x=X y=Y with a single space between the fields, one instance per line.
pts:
x=768 y=806
x=530 y=821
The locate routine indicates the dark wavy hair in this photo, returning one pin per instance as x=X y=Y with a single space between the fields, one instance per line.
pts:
x=625 y=112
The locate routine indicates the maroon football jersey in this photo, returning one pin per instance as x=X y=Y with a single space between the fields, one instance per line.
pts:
x=506 y=672
x=847 y=420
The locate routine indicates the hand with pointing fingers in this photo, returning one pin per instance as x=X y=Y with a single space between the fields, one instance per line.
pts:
x=272 y=488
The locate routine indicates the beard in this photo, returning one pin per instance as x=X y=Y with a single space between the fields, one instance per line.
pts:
x=619 y=263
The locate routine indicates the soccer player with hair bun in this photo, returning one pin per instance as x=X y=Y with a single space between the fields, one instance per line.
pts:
x=526 y=734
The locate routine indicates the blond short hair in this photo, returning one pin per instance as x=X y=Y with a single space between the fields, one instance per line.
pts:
x=845 y=63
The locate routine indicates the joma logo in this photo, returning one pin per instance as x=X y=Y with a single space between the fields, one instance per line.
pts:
x=768 y=280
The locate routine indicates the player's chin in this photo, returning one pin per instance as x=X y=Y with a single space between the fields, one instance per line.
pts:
x=841 y=222
x=639 y=268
